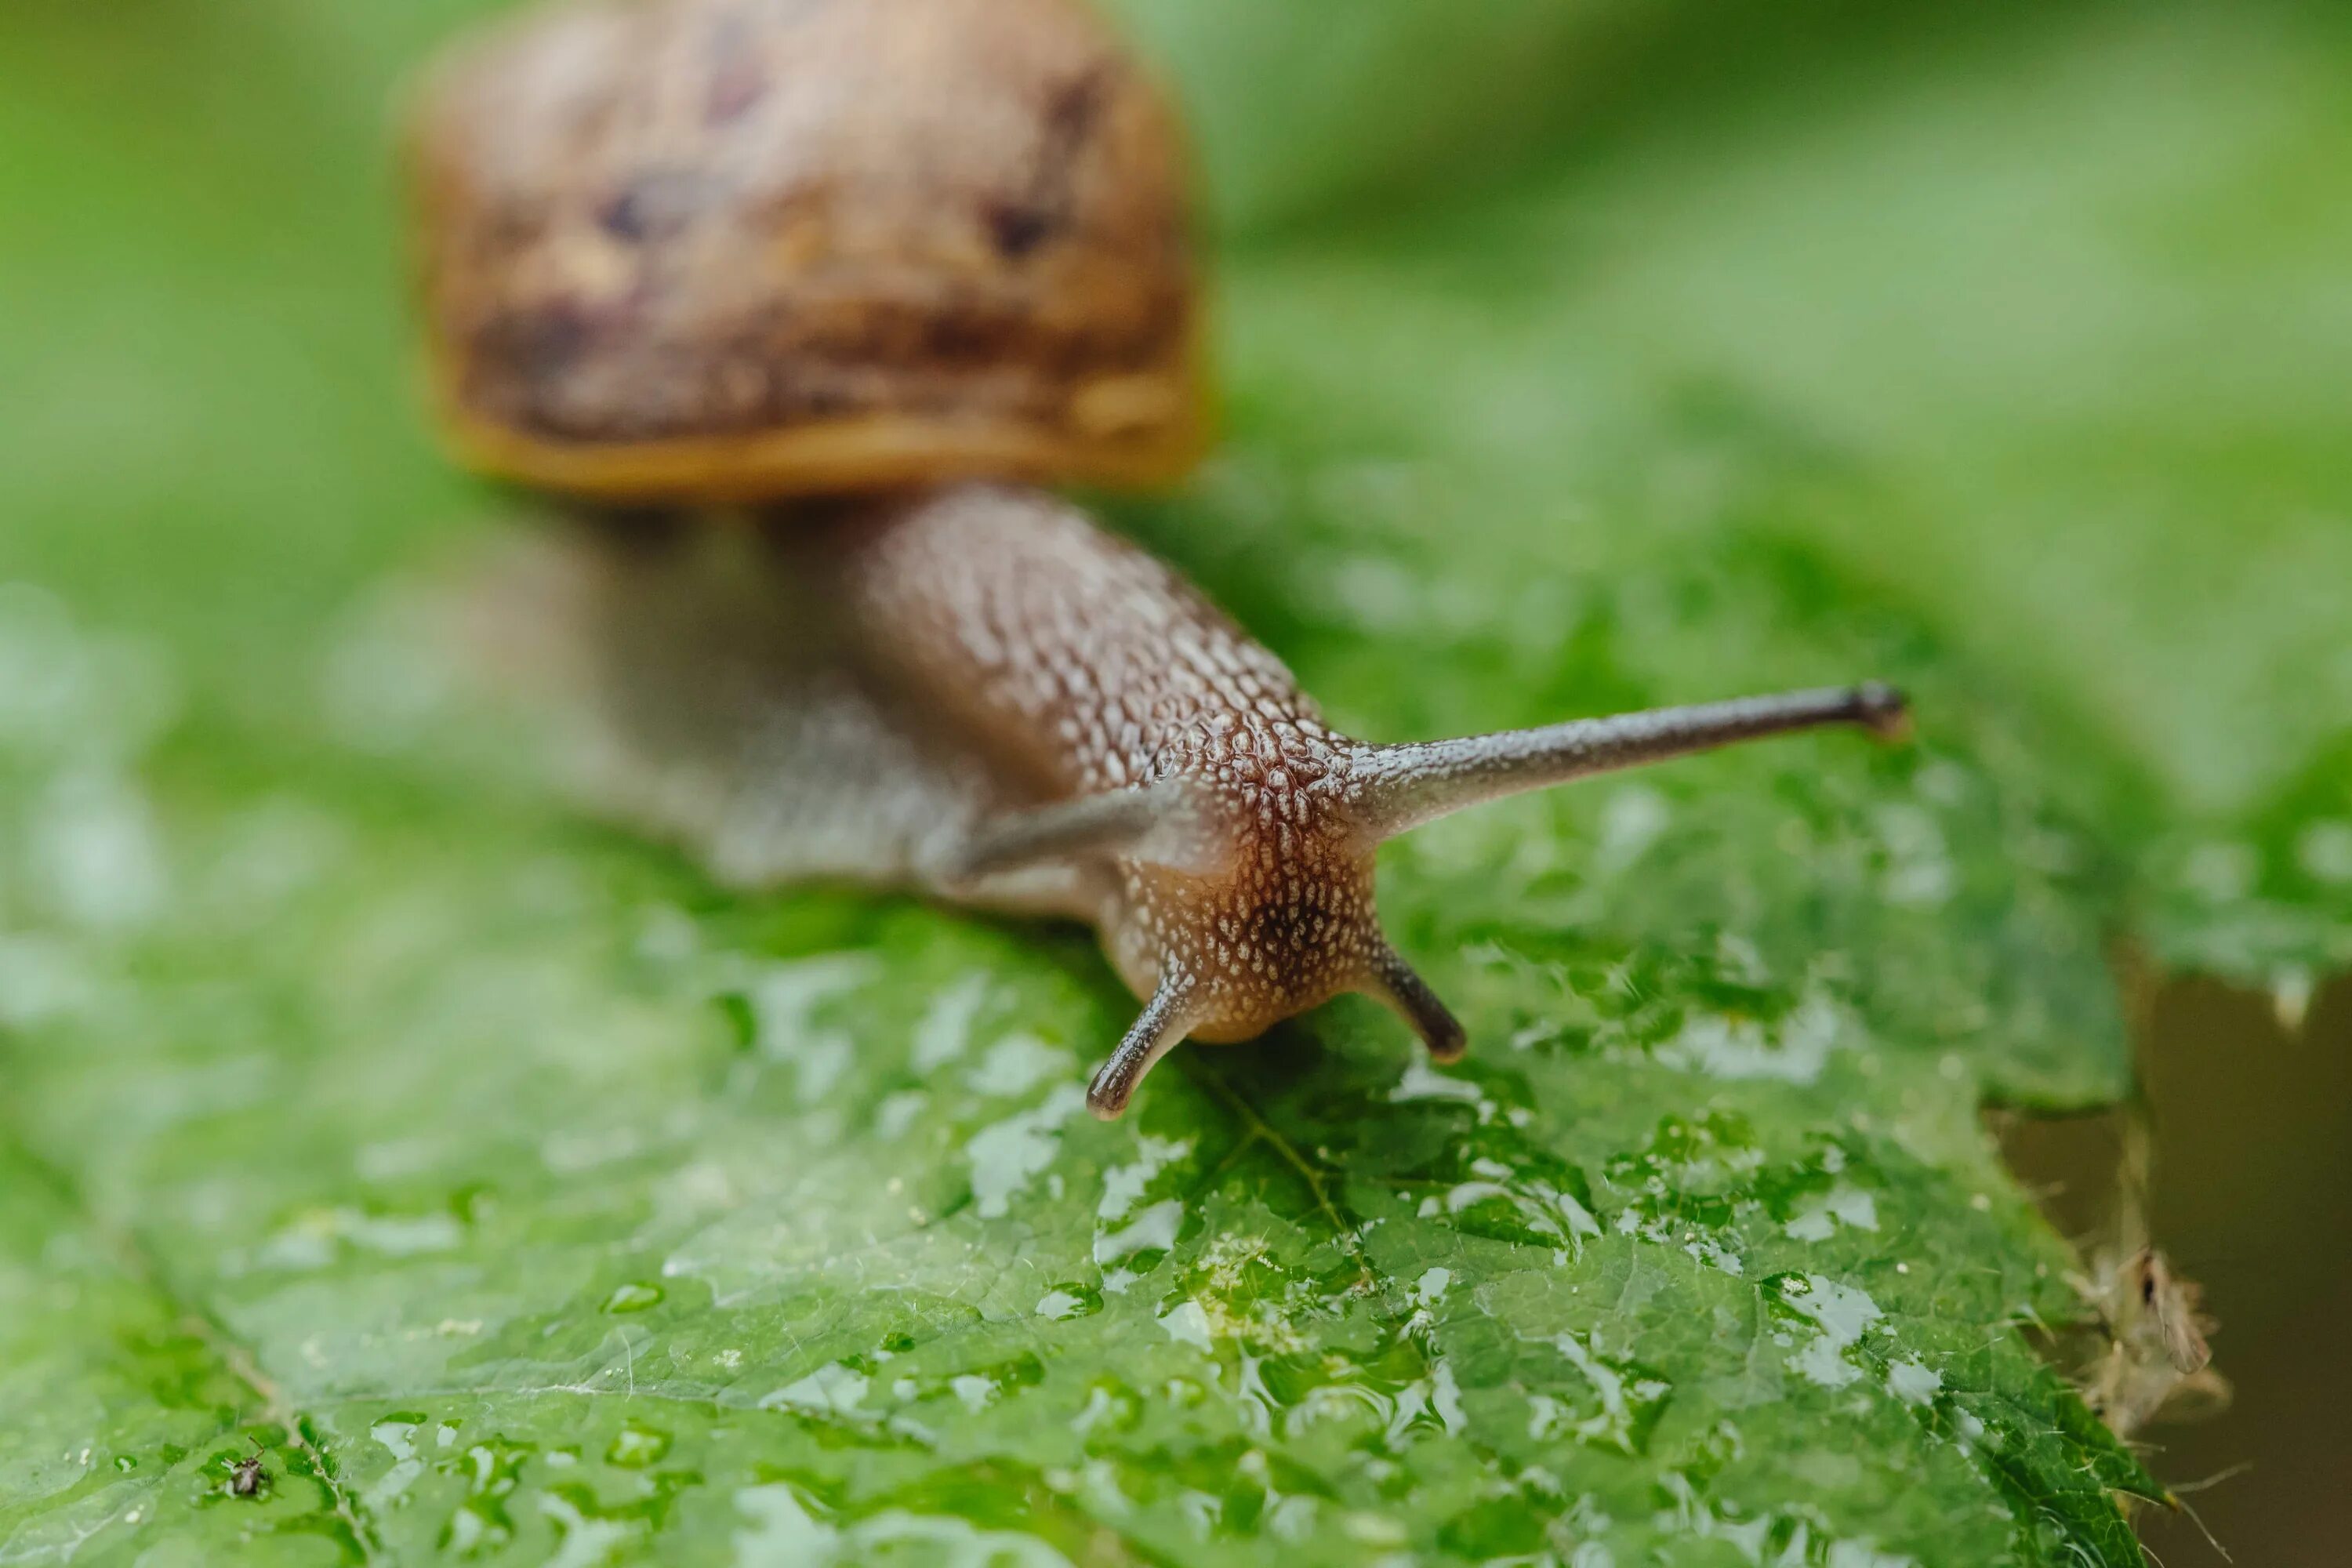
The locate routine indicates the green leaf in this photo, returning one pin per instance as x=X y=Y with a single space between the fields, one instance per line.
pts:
x=514 y=1195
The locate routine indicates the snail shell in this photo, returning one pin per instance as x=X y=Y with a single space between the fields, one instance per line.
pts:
x=740 y=249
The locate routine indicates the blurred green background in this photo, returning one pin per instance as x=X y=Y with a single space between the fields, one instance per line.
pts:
x=2028 y=326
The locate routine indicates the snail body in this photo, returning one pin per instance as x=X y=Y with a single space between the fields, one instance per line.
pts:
x=899 y=666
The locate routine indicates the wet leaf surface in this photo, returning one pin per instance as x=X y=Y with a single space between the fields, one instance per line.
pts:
x=518 y=1196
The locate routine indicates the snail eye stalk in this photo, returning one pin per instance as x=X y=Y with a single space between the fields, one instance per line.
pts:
x=1174 y=823
x=1400 y=787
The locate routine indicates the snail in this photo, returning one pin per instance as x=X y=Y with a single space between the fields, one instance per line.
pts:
x=790 y=304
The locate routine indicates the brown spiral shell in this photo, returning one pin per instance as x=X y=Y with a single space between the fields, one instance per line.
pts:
x=744 y=249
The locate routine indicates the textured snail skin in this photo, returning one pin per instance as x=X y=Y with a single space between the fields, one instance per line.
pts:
x=976 y=692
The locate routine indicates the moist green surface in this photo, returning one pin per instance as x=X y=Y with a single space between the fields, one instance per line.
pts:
x=525 y=1198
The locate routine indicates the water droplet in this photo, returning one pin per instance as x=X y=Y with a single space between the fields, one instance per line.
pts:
x=1005 y=1156
x=1188 y=1321
x=1070 y=1300
x=636 y=1447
